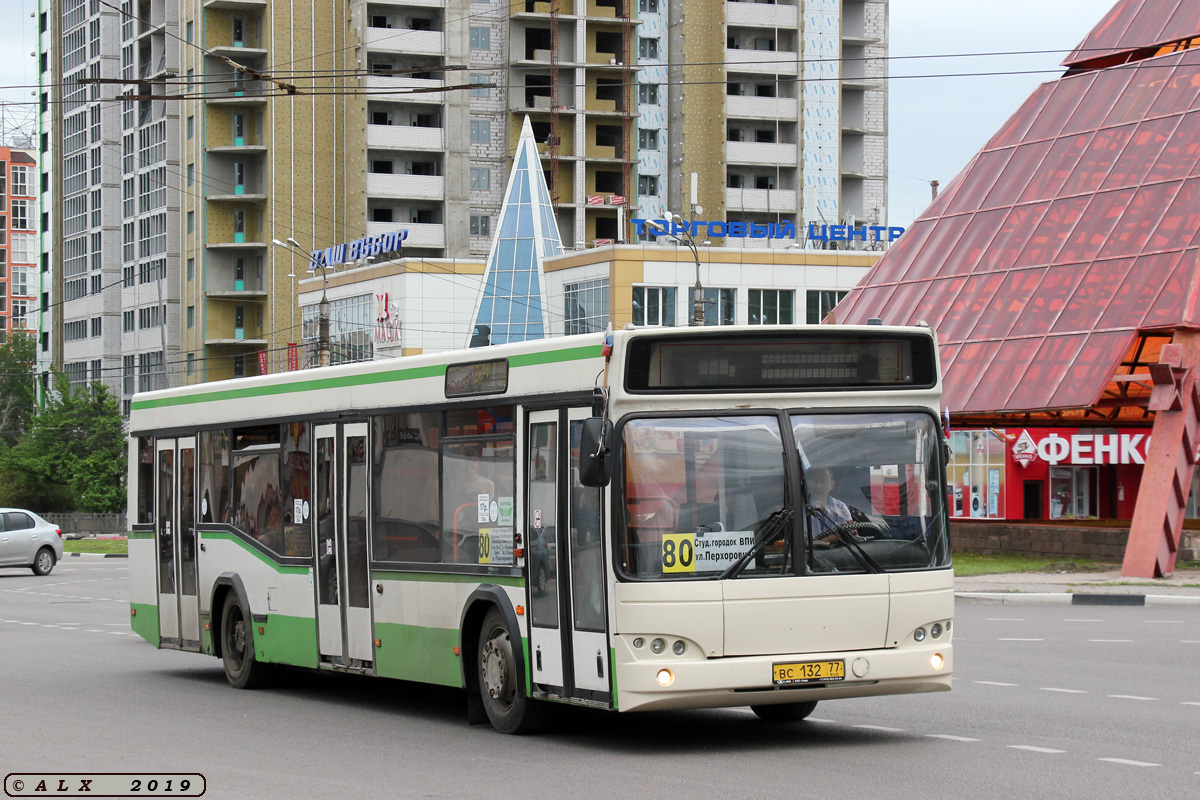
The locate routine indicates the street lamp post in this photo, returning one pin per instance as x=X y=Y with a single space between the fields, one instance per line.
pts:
x=698 y=289
x=323 y=318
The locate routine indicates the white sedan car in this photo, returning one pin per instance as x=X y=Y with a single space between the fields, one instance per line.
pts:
x=27 y=540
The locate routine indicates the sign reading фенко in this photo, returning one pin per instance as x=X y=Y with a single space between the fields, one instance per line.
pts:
x=359 y=248
x=1082 y=448
x=769 y=230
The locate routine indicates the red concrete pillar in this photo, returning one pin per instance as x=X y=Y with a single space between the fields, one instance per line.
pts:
x=1170 y=461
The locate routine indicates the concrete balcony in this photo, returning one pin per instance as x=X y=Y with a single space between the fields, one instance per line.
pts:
x=761 y=15
x=750 y=107
x=405 y=137
x=237 y=5
x=406 y=187
x=419 y=234
x=404 y=40
x=760 y=153
x=781 y=201
x=403 y=87
x=762 y=62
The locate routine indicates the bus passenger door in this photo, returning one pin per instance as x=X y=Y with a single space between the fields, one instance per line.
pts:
x=542 y=465
x=568 y=622
x=325 y=525
x=357 y=619
x=165 y=527
x=585 y=545
x=340 y=527
x=185 y=547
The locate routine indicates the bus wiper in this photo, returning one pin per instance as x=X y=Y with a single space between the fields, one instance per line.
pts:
x=766 y=534
x=842 y=531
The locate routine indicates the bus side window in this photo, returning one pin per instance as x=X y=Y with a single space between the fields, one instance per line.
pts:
x=405 y=499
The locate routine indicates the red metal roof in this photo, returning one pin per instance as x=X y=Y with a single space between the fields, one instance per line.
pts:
x=1073 y=231
x=1134 y=25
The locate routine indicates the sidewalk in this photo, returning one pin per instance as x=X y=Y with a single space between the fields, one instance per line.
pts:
x=1080 y=588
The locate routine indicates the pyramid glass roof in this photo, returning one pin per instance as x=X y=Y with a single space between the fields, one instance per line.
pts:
x=512 y=304
x=1067 y=250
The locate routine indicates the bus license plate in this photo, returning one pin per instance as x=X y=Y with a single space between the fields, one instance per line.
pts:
x=808 y=672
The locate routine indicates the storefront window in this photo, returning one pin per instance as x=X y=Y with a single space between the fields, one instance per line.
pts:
x=977 y=473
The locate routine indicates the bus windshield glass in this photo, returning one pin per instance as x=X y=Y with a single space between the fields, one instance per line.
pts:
x=698 y=490
x=874 y=501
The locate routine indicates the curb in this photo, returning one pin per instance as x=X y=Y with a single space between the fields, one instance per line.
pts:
x=96 y=555
x=1078 y=599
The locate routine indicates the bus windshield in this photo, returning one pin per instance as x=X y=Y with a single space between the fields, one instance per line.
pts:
x=697 y=490
x=873 y=498
x=701 y=492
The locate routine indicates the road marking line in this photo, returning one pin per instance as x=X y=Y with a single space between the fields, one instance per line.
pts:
x=1005 y=619
x=28 y=623
x=996 y=683
x=1064 y=691
x=879 y=728
x=115 y=633
x=815 y=719
x=1022 y=640
x=1129 y=763
x=1034 y=749
x=1189 y=641
x=1083 y=620
x=1164 y=622
x=94 y=630
x=1113 y=641
x=1131 y=697
x=1189 y=703
x=951 y=738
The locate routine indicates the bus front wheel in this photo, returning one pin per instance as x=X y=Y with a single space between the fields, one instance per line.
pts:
x=785 y=712
x=237 y=647
x=501 y=687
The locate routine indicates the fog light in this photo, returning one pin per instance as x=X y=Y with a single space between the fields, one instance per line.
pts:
x=860 y=667
x=919 y=634
x=936 y=661
x=678 y=648
x=665 y=677
x=935 y=630
x=657 y=646
x=638 y=642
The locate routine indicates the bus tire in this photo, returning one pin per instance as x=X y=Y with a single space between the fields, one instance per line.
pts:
x=242 y=670
x=501 y=687
x=785 y=712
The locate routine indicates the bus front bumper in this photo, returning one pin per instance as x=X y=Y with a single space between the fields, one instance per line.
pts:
x=697 y=682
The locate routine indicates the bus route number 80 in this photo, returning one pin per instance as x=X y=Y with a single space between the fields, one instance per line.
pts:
x=679 y=552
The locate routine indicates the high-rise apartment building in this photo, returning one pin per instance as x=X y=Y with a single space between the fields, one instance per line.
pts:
x=220 y=126
x=19 y=283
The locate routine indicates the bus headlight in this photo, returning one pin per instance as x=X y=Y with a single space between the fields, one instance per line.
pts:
x=919 y=634
x=935 y=630
x=665 y=677
x=657 y=646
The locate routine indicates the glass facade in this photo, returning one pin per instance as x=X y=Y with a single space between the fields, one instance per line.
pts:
x=512 y=307
x=1073 y=230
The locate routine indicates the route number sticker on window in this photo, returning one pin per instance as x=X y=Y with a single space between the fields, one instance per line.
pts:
x=704 y=552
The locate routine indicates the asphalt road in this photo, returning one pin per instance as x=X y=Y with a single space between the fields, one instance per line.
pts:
x=1049 y=701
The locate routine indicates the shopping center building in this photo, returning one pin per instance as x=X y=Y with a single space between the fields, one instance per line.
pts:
x=1060 y=270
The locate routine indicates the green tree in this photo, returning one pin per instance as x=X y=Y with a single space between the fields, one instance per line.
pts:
x=73 y=455
x=18 y=382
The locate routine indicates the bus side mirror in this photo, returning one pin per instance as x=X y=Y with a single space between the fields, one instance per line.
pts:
x=595 y=452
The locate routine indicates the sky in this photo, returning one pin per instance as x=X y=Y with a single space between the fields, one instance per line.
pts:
x=936 y=124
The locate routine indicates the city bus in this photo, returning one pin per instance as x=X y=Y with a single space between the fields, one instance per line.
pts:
x=652 y=518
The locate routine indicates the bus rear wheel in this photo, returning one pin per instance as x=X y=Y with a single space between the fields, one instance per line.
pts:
x=501 y=686
x=242 y=670
x=785 y=712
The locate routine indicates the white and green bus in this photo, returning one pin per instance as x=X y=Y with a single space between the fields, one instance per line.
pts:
x=666 y=518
